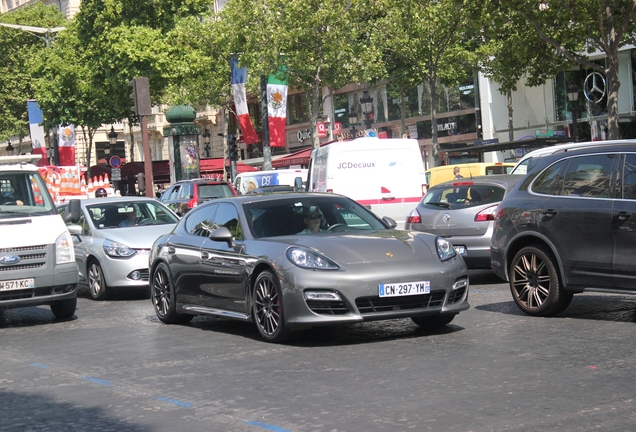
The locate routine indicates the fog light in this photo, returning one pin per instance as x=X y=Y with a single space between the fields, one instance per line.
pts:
x=462 y=283
x=136 y=275
x=322 y=295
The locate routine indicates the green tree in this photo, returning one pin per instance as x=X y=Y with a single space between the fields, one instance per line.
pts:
x=433 y=40
x=577 y=28
x=21 y=54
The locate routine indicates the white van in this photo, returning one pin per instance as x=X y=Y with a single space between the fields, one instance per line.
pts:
x=385 y=175
x=248 y=181
x=37 y=256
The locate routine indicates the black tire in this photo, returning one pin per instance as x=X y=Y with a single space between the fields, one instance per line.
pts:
x=535 y=283
x=163 y=297
x=64 y=309
x=434 y=321
x=96 y=281
x=267 y=309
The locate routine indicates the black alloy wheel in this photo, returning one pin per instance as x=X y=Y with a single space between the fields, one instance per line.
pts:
x=267 y=308
x=535 y=283
x=96 y=282
x=163 y=296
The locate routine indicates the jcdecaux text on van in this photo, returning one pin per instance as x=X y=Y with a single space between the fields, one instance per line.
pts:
x=349 y=165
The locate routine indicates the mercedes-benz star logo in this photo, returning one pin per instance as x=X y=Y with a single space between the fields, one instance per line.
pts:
x=594 y=87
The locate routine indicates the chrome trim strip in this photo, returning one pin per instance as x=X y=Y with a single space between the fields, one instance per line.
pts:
x=213 y=311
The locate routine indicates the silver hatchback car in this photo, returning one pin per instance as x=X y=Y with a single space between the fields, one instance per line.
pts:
x=462 y=211
x=112 y=241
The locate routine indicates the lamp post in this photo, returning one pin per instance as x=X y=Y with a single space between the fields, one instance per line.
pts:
x=206 y=142
x=112 y=141
x=353 y=120
x=573 y=97
x=367 y=108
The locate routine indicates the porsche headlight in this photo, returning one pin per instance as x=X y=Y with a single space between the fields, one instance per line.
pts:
x=310 y=260
x=445 y=250
x=117 y=250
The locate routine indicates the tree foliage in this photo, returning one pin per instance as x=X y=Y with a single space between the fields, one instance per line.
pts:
x=22 y=53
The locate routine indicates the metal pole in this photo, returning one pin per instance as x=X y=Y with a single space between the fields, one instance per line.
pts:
x=147 y=158
x=267 y=150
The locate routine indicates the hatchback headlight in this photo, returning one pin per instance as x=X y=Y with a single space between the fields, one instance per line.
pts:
x=117 y=250
x=445 y=250
x=310 y=260
x=64 y=249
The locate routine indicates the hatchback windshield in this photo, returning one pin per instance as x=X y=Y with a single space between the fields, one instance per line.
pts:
x=454 y=196
x=123 y=214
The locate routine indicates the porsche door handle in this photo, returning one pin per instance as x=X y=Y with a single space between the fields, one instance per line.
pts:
x=622 y=215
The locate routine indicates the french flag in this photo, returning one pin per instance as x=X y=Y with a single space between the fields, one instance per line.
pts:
x=37 y=131
x=240 y=101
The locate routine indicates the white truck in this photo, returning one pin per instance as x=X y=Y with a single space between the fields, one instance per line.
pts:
x=385 y=175
x=37 y=261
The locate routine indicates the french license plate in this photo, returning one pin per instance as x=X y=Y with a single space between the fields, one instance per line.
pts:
x=460 y=250
x=17 y=284
x=404 y=289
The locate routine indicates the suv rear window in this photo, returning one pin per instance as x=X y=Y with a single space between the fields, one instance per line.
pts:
x=462 y=196
x=215 y=190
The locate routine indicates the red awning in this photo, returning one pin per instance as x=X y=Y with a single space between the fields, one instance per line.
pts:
x=215 y=165
x=300 y=157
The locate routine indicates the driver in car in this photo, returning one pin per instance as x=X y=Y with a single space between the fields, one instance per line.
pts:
x=313 y=220
x=130 y=219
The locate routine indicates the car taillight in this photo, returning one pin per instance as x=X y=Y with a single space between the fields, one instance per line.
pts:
x=500 y=212
x=192 y=203
x=414 y=217
x=329 y=190
x=486 y=214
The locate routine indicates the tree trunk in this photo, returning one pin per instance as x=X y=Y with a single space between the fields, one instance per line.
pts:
x=432 y=84
x=314 y=109
x=402 y=111
x=613 y=85
x=511 y=124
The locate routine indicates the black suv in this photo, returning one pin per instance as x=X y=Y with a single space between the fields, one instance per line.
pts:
x=184 y=195
x=569 y=226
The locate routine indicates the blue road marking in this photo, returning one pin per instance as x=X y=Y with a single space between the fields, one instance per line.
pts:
x=174 y=401
x=267 y=426
x=98 y=381
x=39 y=365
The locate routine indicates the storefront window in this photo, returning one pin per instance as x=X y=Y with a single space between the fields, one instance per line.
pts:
x=341 y=109
x=297 y=111
x=394 y=101
x=448 y=126
x=449 y=99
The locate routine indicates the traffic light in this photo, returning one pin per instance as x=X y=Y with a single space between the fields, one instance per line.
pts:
x=233 y=148
x=140 y=96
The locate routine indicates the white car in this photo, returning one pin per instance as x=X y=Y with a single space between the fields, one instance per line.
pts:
x=113 y=238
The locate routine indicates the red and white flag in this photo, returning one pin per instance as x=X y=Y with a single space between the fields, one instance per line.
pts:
x=66 y=145
x=277 y=107
x=240 y=101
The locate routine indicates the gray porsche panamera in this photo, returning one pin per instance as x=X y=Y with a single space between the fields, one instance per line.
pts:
x=291 y=261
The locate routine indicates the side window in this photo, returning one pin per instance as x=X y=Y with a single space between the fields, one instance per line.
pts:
x=200 y=222
x=227 y=216
x=184 y=193
x=166 y=195
x=629 y=177
x=175 y=193
x=550 y=180
x=589 y=176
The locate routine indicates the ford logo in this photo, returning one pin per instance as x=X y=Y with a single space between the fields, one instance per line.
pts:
x=9 y=259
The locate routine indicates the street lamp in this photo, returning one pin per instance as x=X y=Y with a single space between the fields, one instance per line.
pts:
x=573 y=97
x=206 y=142
x=112 y=139
x=367 y=108
x=353 y=120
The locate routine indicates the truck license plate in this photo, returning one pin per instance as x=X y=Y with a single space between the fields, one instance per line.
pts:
x=405 y=289
x=17 y=284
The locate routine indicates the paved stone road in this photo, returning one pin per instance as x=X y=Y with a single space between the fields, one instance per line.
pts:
x=116 y=368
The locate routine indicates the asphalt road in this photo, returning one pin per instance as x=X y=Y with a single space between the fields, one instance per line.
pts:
x=115 y=367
